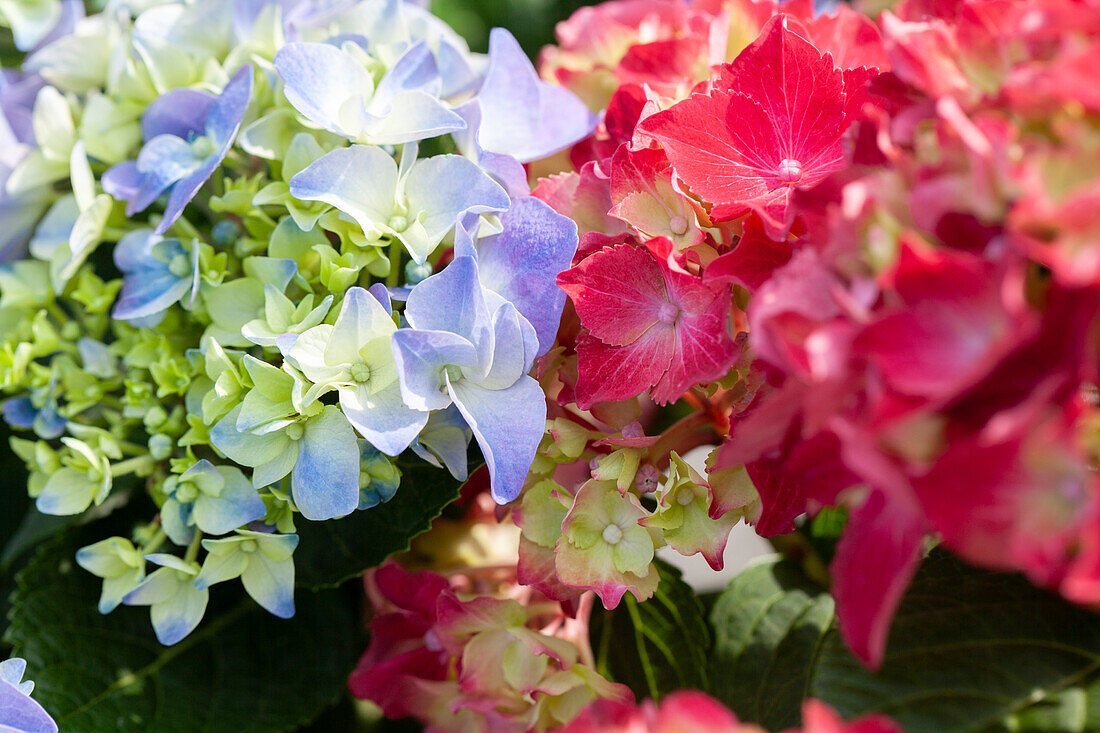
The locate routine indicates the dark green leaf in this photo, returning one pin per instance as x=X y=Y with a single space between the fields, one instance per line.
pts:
x=29 y=532
x=657 y=646
x=968 y=650
x=768 y=625
x=334 y=551
x=242 y=671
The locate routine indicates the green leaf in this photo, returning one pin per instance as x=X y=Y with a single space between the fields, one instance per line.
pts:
x=242 y=670
x=657 y=646
x=969 y=650
x=768 y=624
x=334 y=551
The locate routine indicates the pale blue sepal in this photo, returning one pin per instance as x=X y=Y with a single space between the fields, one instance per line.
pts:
x=325 y=479
x=508 y=424
x=443 y=442
x=421 y=356
x=237 y=504
x=383 y=418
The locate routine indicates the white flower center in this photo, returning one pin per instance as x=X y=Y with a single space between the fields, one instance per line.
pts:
x=360 y=373
x=790 y=171
x=612 y=534
x=678 y=225
x=668 y=313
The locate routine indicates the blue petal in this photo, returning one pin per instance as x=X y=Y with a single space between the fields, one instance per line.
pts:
x=325 y=480
x=245 y=448
x=12 y=671
x=163 y=161
x=452 y=300
x=21 y=714
x=410 y=116
x=123 y=181
x=508 y=349
x=49 y=424
x=382 y=294
x=454 y=67
x=445 y=438
x=358 y=180
x=508 y=424
x=222 y=125
x=270 y=583
x=414 y=70
x=319 y=79
x=523 y=116
x=523 y=261
x=149 y=293
x=420 y=357
x=237 y=505
x=383 y=418
x=19 y=412
x=227 y=111
x=176 y=521
x=173 y=620
x=134 y=252
x=180 y=112
x=443 y=187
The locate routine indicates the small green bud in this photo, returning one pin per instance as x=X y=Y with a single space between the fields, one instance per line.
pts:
x=415 y=273
x=160 y=446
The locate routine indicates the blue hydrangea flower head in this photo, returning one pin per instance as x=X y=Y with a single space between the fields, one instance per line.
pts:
x=176 y=605
x=157 y=273
x=332 y=88
x=188 y=133
x=519 y=115
x=472 y=348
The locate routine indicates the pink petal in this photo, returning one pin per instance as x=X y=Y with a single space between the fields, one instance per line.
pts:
x=874 y=563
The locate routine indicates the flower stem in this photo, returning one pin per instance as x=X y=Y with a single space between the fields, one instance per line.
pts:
x=193 y=548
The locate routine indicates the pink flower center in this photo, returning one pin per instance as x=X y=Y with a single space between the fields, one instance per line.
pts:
x=790 y=171
x=678 y=225
x=668 y=313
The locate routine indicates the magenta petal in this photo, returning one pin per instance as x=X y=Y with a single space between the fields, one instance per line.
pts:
x=612 y=373
x=618 y=293
x=875 y=561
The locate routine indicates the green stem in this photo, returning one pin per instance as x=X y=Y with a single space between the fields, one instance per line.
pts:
x=156 y=542
x=132 y=465
x=193 y=548
x=56 y=311
x=394 y=278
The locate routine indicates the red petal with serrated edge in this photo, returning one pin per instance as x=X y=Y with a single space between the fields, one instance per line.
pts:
x=772 y=122
x=618 y=293
x=612 y=373
x=752 y=261
x=704 y=351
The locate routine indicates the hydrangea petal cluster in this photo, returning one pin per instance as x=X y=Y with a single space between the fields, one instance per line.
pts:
x=459 y=663
x=878 y=227
x=258 y=256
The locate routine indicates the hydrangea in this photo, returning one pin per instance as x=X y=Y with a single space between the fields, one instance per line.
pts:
x=262 y=256
x=858 y=252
